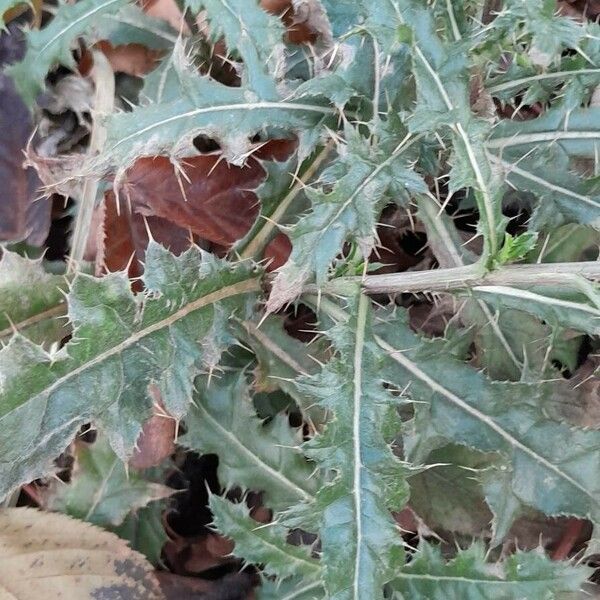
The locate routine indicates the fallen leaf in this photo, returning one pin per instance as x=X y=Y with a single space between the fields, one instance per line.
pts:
x=121 y=237
x=157 y=440
x=133 y=59
x=51 y=556
x=208 y=196
x=22 y=217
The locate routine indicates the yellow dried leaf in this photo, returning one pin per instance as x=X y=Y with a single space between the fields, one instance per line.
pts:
x=51 y=556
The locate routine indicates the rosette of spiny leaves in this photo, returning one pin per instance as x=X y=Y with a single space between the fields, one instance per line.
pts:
x=121 y=344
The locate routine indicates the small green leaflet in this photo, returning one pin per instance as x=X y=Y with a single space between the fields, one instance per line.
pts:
x=263 y=544
x=51 y=45
x=121 y=344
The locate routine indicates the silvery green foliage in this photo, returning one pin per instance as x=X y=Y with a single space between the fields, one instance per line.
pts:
x=260 y=457
x=395 y=100
x=120 y=344
x=27 y=292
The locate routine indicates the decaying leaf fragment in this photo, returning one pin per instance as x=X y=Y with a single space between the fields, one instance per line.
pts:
x=51 y=556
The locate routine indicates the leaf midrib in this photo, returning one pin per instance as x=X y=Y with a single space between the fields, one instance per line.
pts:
x=241 y=287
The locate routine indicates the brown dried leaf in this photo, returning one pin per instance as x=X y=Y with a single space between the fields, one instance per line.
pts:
x=51 y=556
x=205 y=194
x=121 y=237
x=133 y=59
x=209 y=197
x=157 y=440
x=22 y=217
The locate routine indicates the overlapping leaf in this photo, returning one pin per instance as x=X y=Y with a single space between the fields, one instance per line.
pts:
x=469 y=576
x=345 y=205
x=458 y=404
x=258 y=37
x=230 y=115
x=101 y=490
x=120 y=345
x=260 y=457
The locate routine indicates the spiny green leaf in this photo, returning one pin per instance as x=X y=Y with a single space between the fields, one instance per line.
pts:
x=359 y=181
x=469 y=577
x=51 y=45
x=549 y=32
x=361 y=546
x=230 y=115
x=261 y=457
x=120 y=345
x=515 y=248
x=442 y=77
x=101 y=490
x=31 y=300
x=379 y=19
x=255 y=34
x=458 y=404
x=523 y=151
x=262 y=544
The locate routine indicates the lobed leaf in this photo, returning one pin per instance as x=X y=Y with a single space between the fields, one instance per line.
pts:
x=458 y=404
x=120 y=345
x=469 y=576
x=255 y=34
x=260 y=457
x=361 y=547
x=262 y=543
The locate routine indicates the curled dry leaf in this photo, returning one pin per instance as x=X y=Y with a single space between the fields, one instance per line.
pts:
x=51 y=556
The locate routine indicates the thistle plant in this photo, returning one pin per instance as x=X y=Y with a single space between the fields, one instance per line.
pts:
x=423 y=106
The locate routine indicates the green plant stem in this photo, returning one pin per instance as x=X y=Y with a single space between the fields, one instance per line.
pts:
x=469 y=276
